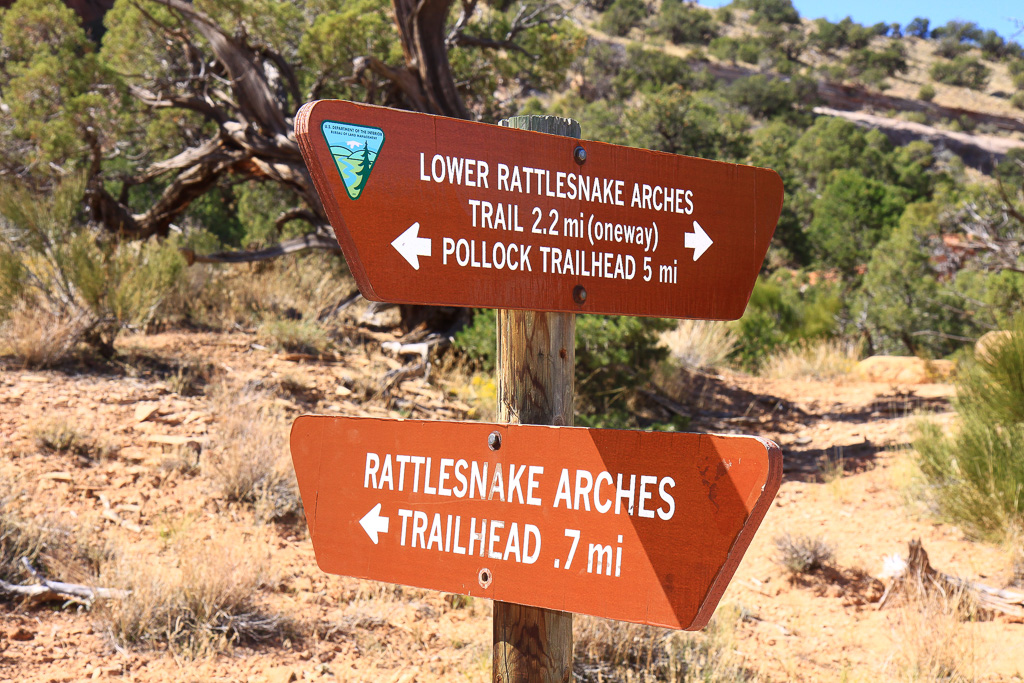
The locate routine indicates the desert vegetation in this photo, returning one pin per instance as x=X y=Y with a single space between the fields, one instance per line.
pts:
x=172 y=297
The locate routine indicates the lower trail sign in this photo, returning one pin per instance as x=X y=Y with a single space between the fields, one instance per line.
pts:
x=645 y=527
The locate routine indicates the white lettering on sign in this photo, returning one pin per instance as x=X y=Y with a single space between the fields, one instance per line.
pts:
x=526 y=185
x=510 y=540
x=454 y=171
x=448 y=534
x=520 y=484
x=479 y=255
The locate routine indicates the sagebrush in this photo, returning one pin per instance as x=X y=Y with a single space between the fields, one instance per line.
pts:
x=976 y=474
x=60 y=275
x=608 y=650
x=249 y=462
x=200 y=602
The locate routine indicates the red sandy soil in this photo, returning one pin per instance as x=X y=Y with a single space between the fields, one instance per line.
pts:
x=361 y=631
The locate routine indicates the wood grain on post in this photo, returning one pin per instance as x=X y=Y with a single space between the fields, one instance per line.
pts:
x=536 y=361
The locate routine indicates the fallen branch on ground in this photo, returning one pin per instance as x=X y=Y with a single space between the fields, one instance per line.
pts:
x=313 y=241
x=666 y=403
x=50 y=591
x=917 y=575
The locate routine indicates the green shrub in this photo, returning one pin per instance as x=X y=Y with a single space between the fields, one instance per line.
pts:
x=918 y=27
x=479 y=339
x=959 y=31
x=977 y=474
x=1016 y=68
x=994 y=46
x=963 y=71
x=680 y=122
x=729 y=49
x=829 y=37
x=621 y=16
x=784 y=311
x=766 y=97
x=651 y=70
x=926 y=93
x=614 y=357
x=725 y=48
x=771 y=12
x=951 y=48
x=60 y=270
x=683 y=23
x=851 y=216
x=903 y=306
x=888 y=62
x=750 y=51
x=1018 y=100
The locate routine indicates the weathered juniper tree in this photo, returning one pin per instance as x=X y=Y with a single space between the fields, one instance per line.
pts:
x=183 y=99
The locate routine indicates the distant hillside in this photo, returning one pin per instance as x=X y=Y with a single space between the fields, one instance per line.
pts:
x=957 y=86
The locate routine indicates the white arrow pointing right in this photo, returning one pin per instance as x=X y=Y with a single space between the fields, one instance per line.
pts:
x=411 y=246
x=697 y=240
x=374 y=524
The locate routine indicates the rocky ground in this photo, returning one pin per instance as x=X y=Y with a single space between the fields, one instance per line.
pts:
x=139 y=485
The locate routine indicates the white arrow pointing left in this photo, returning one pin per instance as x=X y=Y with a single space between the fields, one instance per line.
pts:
x=374 y=524
x=697 y=240
x=411 y=246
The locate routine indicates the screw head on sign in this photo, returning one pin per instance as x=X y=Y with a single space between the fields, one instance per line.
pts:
x=579 y=294
x=580 y=155
x=494 y=441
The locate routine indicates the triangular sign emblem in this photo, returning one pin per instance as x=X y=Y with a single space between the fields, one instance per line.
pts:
x=355 y=149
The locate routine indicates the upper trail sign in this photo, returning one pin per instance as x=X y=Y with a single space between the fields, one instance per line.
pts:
x=432 y=210
x=638 y=526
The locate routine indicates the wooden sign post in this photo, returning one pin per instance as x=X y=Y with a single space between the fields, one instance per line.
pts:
x=430 y=210
x=535 y=385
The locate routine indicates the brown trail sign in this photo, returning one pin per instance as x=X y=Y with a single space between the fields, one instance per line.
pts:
x=640 y=526
x=432 y=210
x=645 y=527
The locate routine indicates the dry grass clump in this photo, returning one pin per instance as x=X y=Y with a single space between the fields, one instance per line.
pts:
x=38 y=335
x=190 y=378
x=823 y=360
x=610 y=651
x=250 y=462
x=931 y=641
x=58 y=551
x=296 y=336
x=199 y=603
x=700 y=344
x=20 y=537
x=802 y=554
x=304 y=287
x=60 y=437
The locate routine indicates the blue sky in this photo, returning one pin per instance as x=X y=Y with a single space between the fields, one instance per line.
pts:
x=992 y=14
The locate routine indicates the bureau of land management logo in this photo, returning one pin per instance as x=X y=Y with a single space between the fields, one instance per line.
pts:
x=354 y=149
